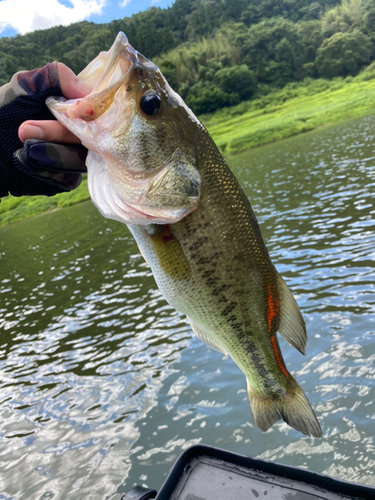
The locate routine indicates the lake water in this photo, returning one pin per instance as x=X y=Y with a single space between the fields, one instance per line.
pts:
x=103 y=384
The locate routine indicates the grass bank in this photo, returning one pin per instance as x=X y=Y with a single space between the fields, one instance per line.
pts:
x=13 y=209
x=296 y=108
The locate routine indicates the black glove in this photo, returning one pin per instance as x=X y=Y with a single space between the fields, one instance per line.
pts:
x=36 y=167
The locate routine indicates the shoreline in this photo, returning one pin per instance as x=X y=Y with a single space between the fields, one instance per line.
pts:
x=324 y=125
x=287 y=117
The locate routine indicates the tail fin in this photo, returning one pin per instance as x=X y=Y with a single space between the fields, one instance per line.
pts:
x=291 y=406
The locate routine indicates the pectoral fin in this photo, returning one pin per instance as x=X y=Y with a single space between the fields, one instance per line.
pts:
x=291 y=324
x=207 y=338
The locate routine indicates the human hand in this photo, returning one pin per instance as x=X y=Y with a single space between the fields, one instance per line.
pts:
x=52 y=130
x=38 y=167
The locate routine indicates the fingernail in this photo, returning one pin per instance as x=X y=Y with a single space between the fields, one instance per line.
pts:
x=31 y=132
x=85 y=87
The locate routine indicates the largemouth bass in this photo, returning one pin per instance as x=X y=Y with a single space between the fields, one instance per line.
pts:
x=153 y=166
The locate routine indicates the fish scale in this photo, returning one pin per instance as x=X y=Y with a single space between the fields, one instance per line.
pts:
x=156 y=169
x=241 y=249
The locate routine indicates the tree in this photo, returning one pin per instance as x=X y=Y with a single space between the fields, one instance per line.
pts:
x=311 y=11
x=274 y=51
x=368 y=18
x=341 y=18
x=170 y=73
x=209 y=99
x=311 y=37
x=344 y=54
x=238 y=79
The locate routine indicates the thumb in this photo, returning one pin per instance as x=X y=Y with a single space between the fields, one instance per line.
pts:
x=71 y=86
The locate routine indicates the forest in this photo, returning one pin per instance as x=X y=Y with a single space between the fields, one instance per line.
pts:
x=218 y=53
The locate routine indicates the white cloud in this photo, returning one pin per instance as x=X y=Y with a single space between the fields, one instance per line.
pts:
x=124 y=3
x=30 y=15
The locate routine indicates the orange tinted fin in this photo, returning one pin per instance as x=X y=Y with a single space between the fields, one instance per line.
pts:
x=278 y=356
x=272 y=321
x=272 y=308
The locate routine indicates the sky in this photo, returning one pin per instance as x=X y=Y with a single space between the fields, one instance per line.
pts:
x=23 y=16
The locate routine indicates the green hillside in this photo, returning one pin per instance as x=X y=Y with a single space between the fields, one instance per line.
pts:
x=218 y=53
x=256 y=71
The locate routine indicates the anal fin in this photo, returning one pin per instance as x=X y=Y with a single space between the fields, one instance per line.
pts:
x=206 y=338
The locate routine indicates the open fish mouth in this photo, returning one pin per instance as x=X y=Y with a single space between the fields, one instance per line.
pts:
x=137 y=170
x=105 y=74
x=110 y=67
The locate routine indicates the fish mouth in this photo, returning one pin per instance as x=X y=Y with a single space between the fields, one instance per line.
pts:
x=109 y=71
x=105 y=74
x=110 y=67
x=102 y=121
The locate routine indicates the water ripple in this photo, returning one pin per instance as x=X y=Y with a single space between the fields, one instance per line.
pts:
x=101 y=382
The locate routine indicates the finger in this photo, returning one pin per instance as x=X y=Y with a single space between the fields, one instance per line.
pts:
x=71 y=85
x=46 y=130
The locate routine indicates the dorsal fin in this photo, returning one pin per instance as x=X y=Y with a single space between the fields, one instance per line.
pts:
x=291 y=323
x=207 y=338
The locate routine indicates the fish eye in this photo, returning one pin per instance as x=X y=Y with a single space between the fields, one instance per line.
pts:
x=150 y=104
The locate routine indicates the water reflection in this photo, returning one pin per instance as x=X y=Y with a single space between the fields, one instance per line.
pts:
x=101 y=382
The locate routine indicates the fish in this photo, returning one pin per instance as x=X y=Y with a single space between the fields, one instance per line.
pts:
x=153 y=166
